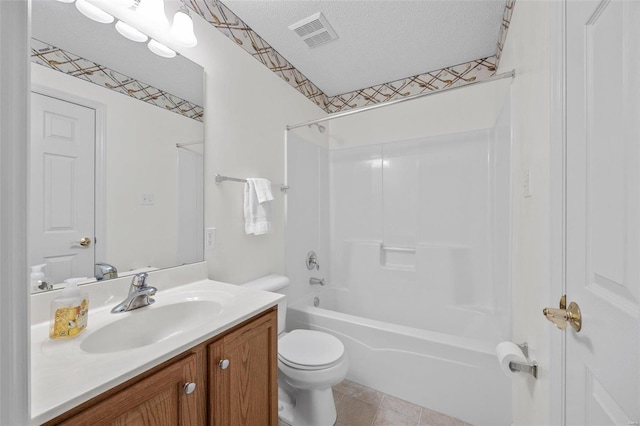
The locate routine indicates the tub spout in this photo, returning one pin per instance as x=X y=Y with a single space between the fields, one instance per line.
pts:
x=316 y=281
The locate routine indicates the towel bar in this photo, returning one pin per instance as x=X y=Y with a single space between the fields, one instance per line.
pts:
x=220 y=178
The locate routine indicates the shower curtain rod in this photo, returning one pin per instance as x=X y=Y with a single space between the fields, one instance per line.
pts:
x=502 y=76
x=181 y=144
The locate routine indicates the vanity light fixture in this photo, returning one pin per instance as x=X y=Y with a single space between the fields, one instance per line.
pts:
x=93 y=12
x=131 y=33
x=182 y=28
x=160 y=49
x=139 y=20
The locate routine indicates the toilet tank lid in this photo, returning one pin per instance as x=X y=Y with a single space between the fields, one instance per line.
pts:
x=270 y=282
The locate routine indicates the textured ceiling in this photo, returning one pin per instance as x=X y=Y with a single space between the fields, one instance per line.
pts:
x=379 y=41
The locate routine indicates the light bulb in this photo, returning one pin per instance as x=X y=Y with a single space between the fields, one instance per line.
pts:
x=93 y=12
x=182 y=29
x=160 y=49
x=131 y=33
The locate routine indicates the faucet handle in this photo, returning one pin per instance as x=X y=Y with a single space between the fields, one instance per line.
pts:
x=139 y=280
x=312 y=261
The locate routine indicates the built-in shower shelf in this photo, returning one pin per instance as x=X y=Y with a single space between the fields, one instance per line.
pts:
x=398 y=258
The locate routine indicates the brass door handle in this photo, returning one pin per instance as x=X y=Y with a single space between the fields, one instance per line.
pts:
x=560 y=317
x=85 y=241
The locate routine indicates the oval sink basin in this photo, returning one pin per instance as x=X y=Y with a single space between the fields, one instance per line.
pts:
x=149 y=325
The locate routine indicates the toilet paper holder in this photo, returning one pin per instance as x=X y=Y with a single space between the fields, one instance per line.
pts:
x=530 y=367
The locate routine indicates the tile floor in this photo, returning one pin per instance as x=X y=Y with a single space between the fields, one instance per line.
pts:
x=359 y=405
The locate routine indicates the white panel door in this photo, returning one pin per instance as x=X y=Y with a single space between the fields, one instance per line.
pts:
x=603 y=211
x=62 y=187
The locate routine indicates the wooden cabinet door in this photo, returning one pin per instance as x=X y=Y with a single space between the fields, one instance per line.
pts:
x=158 y=400
x=245 y=393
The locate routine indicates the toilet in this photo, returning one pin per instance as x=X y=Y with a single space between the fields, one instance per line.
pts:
x=309 y=363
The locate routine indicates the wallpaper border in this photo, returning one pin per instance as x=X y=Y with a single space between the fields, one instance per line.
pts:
x=221 y=17
x=60 y=60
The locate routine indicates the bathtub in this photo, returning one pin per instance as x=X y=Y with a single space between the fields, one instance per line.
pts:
x=457 y=376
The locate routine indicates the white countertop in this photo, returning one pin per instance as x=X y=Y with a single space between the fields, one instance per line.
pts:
x=64 y=376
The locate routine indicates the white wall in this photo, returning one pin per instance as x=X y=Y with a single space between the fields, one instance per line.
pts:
x=141 y=157
x=246 y=110
x=529 y=50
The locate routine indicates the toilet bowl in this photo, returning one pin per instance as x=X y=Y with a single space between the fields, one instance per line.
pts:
x=309 y=363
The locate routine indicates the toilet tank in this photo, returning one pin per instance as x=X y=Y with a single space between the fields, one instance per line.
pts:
x=273 y=283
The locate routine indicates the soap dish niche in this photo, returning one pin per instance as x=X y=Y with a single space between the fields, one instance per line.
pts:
x=396 y=257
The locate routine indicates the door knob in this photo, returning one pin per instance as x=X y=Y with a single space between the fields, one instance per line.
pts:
x=560 y=317
x=85 y=241
x=224 y=363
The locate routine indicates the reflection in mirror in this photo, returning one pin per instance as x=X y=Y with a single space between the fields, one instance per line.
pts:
x=116 y=165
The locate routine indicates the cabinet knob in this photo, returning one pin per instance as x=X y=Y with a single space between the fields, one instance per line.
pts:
x=189 y=388
x=224 y=363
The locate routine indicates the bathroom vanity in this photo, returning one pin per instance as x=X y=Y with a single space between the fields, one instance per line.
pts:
x=231 y=379
x=204 y=353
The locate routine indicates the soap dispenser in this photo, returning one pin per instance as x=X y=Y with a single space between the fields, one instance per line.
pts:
x=70 y=311
x=38 y=281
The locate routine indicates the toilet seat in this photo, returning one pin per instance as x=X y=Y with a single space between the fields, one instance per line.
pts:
x=309 y=350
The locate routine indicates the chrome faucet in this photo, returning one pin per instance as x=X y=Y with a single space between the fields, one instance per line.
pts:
x=139 y=295
x=104 y=271
x=316 y=281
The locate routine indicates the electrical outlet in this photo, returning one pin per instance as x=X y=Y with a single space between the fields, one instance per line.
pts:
x=210 y=238
x=526 y=184
x=146 y=199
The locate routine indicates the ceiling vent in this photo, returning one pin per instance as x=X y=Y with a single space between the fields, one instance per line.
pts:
x=314 y=30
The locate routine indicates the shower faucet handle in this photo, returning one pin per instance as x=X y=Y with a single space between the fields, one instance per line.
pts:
x=312 y=261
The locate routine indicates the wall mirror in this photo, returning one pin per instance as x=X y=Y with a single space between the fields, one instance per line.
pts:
x=116 y=167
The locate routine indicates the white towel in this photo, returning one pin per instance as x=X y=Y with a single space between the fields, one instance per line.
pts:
x=263 y=189
x=257 y=214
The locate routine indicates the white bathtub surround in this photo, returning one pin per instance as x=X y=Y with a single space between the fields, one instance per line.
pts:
x=64 y=375
x=416 y=219
x=307 y=212
x=422 y=220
